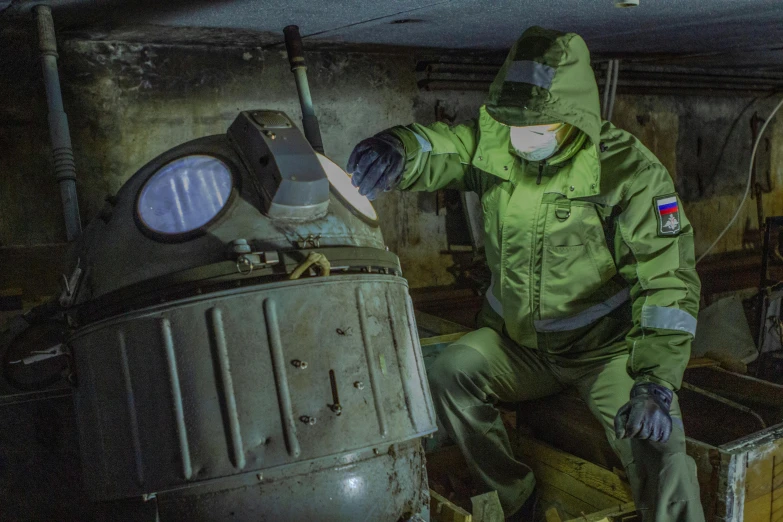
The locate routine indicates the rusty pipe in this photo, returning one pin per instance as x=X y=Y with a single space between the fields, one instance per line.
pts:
x=59 y=133
x=293 y=45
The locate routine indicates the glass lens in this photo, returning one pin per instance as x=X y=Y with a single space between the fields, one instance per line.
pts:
x=185 y=194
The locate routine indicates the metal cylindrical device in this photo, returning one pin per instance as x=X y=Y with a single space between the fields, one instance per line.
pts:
x=215 y=382
x=62 y=151
x=293 y=45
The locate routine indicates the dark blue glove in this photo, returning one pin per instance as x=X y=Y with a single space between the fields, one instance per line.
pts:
x=376 y=164
x=646 y=415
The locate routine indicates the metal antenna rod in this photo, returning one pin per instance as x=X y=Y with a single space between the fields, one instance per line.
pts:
x=293 y=44
x=62 y=151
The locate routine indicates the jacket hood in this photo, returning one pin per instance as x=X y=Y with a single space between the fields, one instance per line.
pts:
x=547 y=78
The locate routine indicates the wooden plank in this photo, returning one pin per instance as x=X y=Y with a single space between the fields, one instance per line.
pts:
x=741 y=388
x=550 y=496
x=623 y=512
x=763 y=493
x=552 y=515
x=437 y=326
x=441 y=510
x=458 y=305
x=547 y=476
x=601 y=480
x=486 y=507
x=702 y=362
x=708 y=471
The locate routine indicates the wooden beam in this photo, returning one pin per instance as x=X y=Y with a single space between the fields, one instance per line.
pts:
x=437 y=325
x=486 y=507
x=595 y=485
x=441 y=510
x=623 y=512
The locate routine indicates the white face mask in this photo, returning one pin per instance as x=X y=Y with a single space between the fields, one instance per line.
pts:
x=535 y=143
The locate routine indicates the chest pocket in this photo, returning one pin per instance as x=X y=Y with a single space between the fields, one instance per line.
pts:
x=576 y=263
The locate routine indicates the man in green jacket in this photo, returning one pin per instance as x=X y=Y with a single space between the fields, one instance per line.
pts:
x=593 y=278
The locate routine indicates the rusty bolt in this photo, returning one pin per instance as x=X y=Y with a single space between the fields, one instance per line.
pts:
x=336 y=408
x=359 y=385
x=302 y=365
x=307 y=420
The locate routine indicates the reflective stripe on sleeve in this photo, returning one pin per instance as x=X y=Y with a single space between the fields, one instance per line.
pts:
x=528 y=71
x=425 y=145
x=584 y=317
x=496 y=305
x=668 y=319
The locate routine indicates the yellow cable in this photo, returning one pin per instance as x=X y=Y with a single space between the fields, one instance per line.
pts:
x=314 y=258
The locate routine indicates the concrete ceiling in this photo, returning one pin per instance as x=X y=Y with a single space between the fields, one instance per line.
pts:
x=731 y=32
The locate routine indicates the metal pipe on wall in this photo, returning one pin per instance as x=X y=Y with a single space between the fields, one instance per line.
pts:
x=62 y=151
x=293 y=44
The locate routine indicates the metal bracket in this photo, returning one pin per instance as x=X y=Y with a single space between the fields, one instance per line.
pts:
x=246 y=263
x=70 y=285
x=42 y=355
x=311 y=241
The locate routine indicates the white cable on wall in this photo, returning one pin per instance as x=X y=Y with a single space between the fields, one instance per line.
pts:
x=747 y=187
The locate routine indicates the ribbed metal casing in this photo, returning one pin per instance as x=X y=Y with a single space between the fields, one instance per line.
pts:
x=192 y=393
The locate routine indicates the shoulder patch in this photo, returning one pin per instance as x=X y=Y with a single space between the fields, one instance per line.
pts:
x=667 y=211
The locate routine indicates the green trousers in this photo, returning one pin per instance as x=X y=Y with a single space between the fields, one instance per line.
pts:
x=485 y=367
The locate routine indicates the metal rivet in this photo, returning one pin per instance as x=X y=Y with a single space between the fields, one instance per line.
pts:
x=572 y=188
x=592 y=186
x=505 y=167
x=260 y=476
x=359 y=385
x=307 y=420
x=375 y=451
x=481 y=158
x=299 y=364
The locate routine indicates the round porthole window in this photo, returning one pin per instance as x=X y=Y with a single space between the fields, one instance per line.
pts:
x=185 y=195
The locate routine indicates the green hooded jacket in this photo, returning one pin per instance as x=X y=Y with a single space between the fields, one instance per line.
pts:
x=594 y=228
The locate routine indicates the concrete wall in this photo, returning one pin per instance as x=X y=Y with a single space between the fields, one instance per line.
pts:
x=706 y=145
x=129 y=102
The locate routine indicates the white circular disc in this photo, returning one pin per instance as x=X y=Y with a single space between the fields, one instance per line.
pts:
x=341 y=181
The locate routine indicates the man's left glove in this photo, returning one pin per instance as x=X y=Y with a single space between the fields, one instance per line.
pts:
x=646 y=415
x=376 y=164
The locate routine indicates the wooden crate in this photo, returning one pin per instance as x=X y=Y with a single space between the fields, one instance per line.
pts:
x=734 y=424
x=735 y=435
x=566 y=485
x=574 y=486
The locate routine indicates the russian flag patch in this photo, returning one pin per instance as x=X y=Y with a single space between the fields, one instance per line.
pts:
x=667 y=210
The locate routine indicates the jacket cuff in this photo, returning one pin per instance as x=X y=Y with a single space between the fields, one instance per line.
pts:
x=413 y=149
x=655 y=380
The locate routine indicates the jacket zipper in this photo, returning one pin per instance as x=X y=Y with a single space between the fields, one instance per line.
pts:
x=540 y=172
